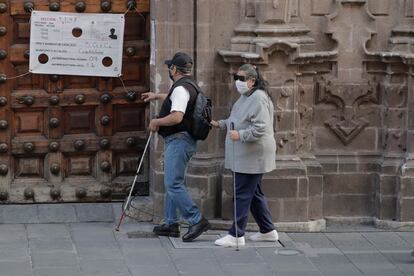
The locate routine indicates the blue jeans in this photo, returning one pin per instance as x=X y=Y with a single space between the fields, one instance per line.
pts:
x=179 y=148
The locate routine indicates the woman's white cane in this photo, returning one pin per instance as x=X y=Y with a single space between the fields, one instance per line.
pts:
x=234 y=193
x=133 y=184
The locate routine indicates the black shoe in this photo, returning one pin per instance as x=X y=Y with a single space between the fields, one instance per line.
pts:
x=196 y=230
x=172 y=230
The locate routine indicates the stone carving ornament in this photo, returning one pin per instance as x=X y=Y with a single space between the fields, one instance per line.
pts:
x=348 y=98
x=347 y=87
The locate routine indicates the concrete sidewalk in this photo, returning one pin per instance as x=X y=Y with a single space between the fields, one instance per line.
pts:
x=95 y=249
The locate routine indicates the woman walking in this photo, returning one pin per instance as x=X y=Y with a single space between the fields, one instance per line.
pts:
x=250 y=151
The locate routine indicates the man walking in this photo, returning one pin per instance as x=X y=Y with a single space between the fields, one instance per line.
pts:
x=173 y=124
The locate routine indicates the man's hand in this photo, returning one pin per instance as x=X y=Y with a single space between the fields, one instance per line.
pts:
x=149 y=96
x=153 y=125
x=234 y=135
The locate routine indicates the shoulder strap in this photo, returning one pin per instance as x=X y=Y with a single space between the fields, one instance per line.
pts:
x=190 y=81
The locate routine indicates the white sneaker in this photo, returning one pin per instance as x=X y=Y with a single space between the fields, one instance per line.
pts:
x=271 y=236
x=230 y=241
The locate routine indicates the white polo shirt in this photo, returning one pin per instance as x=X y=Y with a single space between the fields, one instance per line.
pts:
x=179 y=99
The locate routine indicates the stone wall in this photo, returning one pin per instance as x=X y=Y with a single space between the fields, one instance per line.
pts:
x=341 y=77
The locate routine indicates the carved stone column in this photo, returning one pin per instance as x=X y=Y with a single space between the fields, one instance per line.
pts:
x=395 y=192
x=401 y=43
x=186 y=26
x=405 y=187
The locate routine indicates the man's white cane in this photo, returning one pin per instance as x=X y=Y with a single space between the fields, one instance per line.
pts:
x=133 y=184
x=234 y=192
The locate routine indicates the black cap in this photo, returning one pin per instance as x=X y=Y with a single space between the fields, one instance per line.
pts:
x=180 y=60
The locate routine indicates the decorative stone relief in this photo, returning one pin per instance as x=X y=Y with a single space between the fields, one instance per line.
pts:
x=349 y=89
x=395 y=103
x=321 y=7
x=306 y=118
x=379 y=7
x=250 y=9
x=272 y=31
x=409 y=8
x=393 y=140
x=294 y=8
x=401 y=41
x=276 y=11
x=396 y=95
x=348 y=98
x=351 y=37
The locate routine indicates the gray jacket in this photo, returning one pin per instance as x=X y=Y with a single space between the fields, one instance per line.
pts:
x=255 y=152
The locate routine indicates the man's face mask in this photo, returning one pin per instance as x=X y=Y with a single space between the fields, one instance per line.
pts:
x=170 y=74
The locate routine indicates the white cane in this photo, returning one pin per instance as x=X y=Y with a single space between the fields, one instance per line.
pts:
x=133 y=184
x=234 y=193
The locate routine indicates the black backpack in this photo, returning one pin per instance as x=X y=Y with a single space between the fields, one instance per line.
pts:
x=201 y=117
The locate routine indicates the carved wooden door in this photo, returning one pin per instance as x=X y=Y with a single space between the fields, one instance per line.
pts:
x=70 y=138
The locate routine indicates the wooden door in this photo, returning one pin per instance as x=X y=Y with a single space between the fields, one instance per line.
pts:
x=71 y=138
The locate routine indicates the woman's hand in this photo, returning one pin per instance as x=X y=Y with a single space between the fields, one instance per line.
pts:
x=214 y=124
x=234 y=135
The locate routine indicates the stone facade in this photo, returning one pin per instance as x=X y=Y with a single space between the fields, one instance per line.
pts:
x=341 y=77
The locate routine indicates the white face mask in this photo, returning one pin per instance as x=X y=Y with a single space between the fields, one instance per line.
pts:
x=242 y=87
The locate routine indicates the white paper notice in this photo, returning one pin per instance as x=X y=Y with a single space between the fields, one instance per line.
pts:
x=76 y=44
x=152 y=47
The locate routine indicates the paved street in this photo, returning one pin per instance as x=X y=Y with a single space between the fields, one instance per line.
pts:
x=92 y=249
x=86 y=248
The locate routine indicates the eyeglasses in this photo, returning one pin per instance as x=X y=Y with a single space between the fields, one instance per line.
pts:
x=238 y=77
